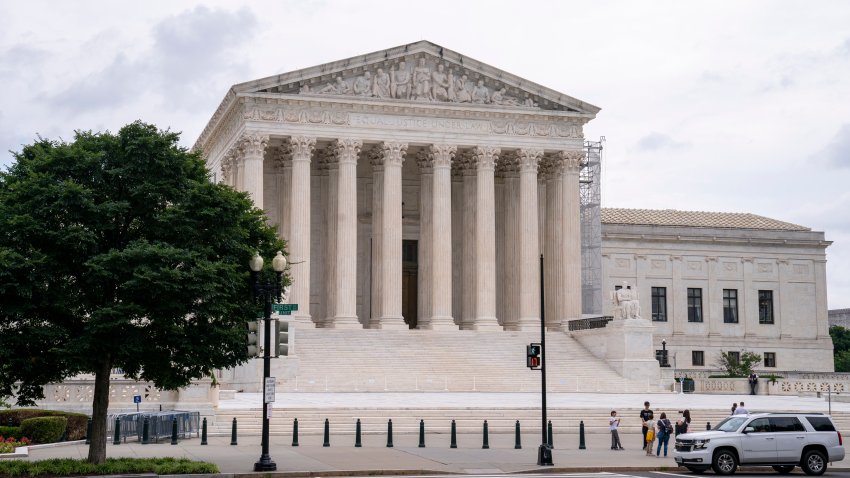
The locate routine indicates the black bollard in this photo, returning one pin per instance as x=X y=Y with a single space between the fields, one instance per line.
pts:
x=518 y=444
x=486 y=444
x=146 y=431
x=295 y=432
x=174 y=431
x=357 y=443
x=88 y=431
x=390 y=433
x=421 y=433
x=708 y=425
x=454 y=435
x=581 y=436
x=233 y=433
x=204 y=432
x=327 y=433
x=117 y=438
x=549 y=434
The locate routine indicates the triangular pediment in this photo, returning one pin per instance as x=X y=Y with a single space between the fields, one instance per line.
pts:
x=421 y=72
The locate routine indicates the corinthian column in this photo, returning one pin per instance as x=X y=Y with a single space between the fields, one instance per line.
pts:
x=437 y=205
x=227 y=168
x=345 y=152
x=485 y=238
x=564 y=241
x=387 y=159
x=468 y=213
x=299 y=240
x=529 y=265
x=253 y=148
x=283 y=175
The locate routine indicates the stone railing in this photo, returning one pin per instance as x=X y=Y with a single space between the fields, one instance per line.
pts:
x=790 y=383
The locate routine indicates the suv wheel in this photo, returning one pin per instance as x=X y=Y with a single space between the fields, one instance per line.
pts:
x=784 y=469
x=724 y=462
x=814 y=463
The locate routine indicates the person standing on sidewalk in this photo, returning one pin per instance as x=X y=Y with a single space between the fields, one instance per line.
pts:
x=650 y=434
x=754 y=383
x=614 y=423
x=683 y=423
x=665 y=428
x=645 y=414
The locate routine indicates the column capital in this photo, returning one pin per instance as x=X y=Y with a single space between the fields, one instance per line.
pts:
x=465 y=164
x=566 y=162
x=436 y=156
x=345 y=150
x=485 y=157
x=301 y=147
x=388 y=154
x=529 y=159
x=281 y=157
x=253 y=144
x=508 y=164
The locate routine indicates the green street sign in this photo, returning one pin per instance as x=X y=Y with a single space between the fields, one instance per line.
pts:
x=284 y=309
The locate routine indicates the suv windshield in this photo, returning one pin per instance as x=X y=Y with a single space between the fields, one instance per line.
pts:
x=731 y=424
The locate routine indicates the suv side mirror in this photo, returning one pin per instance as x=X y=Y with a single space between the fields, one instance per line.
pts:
x=749 y=429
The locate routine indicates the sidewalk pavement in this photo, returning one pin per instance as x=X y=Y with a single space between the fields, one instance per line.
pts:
x=374 y=458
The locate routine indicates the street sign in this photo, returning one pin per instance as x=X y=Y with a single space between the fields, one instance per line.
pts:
x=137 y=399
x=285 y=309
x=269 y=390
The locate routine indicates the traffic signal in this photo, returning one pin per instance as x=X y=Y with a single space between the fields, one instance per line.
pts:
x=281 y=338
x=252 y=338
x=533 y=359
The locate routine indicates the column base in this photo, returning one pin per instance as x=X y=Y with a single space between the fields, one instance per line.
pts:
x=303 y=322
x=439 y=323
x=487 y=324
x=390 y=323
x=527 y=324
x=344 y=323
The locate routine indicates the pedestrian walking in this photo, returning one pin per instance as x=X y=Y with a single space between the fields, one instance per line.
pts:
x=645 y=414
x=683 y=422
x=665 y=429
x=613 y=424
x=650 y=434
x=734 y=407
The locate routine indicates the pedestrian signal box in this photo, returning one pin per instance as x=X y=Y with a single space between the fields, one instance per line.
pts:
x=533 y=358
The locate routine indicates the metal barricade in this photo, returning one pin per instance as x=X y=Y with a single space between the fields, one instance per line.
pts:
x=159 y=424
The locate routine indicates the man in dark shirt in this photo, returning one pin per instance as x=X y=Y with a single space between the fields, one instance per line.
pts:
x=645 y=415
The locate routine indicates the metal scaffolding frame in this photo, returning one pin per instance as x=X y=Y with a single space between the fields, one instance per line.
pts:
x=590 y=186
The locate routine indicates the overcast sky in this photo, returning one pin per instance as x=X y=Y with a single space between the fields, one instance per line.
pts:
x=736 y=106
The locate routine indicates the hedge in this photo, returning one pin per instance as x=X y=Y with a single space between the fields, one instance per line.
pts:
x=112 y=466
x=44 y=429
x=13 y=432
x=77 y=422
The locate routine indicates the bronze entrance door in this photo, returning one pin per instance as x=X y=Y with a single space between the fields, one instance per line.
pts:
x=409 y=286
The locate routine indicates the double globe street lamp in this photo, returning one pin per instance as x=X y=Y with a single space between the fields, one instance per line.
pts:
x=269 y=292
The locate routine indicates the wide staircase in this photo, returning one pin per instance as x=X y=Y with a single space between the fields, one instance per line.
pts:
x=363 y=360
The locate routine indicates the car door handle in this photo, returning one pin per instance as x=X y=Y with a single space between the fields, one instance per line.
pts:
x=801 y=438
x=769 y=438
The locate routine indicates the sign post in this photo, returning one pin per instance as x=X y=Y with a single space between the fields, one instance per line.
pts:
x=137 y=399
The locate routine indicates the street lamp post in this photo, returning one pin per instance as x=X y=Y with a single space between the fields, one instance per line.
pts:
x=664 y=362
x=269 y=292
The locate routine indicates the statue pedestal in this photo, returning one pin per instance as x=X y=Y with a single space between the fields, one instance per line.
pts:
x=626 y=345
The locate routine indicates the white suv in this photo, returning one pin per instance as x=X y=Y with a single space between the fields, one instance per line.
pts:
x=780 y=440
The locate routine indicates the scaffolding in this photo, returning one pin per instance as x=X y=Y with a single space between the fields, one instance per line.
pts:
x=590 y=186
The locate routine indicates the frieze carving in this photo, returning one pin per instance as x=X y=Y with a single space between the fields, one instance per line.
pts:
x=428 y=80
x=658 y=264
x=765 y=267
x=730 y=267
x=694 y=265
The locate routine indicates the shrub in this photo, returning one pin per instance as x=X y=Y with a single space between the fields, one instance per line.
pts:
x=44 y=429
x=13 y=432
x=112 y=466
x=77 y=422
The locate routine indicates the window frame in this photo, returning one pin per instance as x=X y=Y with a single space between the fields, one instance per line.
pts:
x=730 y=306
x=766 y=310
x=695 y=305
x=772 y=362
x=694 y=355
x=659 y=314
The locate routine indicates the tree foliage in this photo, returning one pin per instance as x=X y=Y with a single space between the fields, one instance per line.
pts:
x=733 y=366
x=841 y=347
x=116 y=250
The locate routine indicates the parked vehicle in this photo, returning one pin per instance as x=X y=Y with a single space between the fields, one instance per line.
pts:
x=779 y=440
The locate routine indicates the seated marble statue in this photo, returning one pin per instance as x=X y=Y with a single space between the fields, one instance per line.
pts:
x=626 y=304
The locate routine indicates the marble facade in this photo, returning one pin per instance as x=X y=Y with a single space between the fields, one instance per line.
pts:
x=353 y=159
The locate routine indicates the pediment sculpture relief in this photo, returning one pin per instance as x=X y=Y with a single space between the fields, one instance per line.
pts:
x=425 y=81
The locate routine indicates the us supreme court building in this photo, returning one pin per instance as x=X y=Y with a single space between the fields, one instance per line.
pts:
x=417 y=189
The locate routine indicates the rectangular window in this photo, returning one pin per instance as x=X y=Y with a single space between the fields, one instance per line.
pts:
x=659 y=304
x=618 y=287
x=730 y=306
x=770 y=359
x=697 y=358
x=765 y=306
x=734 y=357
x=694 y=305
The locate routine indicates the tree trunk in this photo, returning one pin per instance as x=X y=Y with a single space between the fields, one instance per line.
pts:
x=100 y=405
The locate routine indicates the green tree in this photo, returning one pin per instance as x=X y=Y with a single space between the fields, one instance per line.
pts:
x=738 y=366
x=117 y=251
x=841 y=347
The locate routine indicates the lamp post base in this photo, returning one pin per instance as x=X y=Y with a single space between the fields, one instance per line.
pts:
x=544 y=456
x=265 y=464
